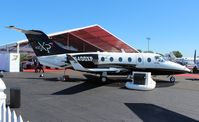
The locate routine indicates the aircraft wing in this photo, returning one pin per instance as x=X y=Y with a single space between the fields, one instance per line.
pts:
x=77 y=66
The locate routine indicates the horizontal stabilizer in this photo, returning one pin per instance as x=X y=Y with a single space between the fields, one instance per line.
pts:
x=23 y=31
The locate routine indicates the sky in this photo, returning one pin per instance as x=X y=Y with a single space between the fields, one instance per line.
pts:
x=170 y=24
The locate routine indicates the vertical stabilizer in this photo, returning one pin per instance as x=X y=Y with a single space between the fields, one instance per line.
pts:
x=41 y=44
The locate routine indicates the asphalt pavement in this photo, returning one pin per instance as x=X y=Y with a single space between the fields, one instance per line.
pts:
x=83 y=98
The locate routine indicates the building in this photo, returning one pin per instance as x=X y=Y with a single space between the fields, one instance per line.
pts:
x=87 y=39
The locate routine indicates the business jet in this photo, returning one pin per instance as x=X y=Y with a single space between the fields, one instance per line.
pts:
x=50 y=53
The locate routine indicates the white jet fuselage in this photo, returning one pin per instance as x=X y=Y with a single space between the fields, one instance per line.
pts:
x=114 y=62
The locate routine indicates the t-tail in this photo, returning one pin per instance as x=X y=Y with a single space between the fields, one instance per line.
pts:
x=41 y=44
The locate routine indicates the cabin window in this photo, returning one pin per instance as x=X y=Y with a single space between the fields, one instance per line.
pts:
x=111 y=59
x=139 y=59
x=120 y=59
x=102 y=59
x=129 y=59
x=149 y=60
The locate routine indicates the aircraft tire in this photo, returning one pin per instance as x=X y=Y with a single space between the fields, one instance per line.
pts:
x=172 y=79
x=103 y=79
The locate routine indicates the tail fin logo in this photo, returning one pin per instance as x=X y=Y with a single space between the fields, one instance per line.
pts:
x=44 y=46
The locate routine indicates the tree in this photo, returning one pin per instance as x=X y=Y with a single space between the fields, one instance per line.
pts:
x=177 y=54
x=24 y=57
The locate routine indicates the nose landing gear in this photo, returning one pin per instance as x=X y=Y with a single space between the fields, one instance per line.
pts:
x=172 y=79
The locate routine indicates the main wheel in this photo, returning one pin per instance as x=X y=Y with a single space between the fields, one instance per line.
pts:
x=103 y=79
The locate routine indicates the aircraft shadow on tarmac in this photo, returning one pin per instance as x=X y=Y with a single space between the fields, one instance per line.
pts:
x=162 y=83
x=192 y=79
x=154 y=113
x=92 y=82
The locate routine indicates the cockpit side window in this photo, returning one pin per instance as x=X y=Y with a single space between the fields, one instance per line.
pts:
x=159 y=58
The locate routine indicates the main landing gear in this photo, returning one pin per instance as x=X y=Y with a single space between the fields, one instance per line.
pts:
x=103 y=77
x=65 y=77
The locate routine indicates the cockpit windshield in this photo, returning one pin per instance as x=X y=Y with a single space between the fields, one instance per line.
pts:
x=159 y=59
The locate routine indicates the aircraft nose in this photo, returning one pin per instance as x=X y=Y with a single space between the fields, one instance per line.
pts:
x=187 y=70
x=180 y=68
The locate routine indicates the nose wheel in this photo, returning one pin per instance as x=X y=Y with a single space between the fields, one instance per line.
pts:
x=172 y=79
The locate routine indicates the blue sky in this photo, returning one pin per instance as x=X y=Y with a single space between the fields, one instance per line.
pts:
x=171 y=24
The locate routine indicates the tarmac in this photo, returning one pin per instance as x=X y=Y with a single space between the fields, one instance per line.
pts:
x=83 y=98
